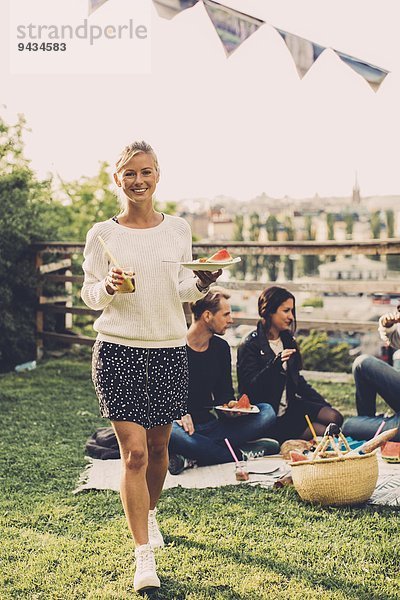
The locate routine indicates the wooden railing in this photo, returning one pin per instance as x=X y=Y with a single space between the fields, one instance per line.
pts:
x=59 y=270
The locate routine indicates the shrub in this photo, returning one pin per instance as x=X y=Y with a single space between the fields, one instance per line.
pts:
x=25 y=208
x=316 y=302
x=319 y=355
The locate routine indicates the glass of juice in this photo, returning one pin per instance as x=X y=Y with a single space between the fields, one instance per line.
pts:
x=241 y=471
x=128 y=285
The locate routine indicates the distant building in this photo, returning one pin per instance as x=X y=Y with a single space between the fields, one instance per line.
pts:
x=356 y=267
x=199 y=224
x=221 y=229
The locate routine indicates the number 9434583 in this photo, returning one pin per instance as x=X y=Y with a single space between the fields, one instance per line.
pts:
x=44 y=47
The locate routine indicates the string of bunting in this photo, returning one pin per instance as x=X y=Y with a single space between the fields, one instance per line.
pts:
x=234 y=27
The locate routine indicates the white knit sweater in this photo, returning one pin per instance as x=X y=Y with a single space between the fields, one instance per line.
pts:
x=152 y=316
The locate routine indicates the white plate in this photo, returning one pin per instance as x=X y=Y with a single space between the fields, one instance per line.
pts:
x=248 y=411
x=196 y=265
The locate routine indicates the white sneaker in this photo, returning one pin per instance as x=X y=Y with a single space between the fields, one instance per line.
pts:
x=155 y=536
x=145 y=576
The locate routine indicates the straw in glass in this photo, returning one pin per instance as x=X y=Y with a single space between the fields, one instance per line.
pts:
x=231 y=450
x=107 y=251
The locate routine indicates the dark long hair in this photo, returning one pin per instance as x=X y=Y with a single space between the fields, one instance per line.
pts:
x=269 y=301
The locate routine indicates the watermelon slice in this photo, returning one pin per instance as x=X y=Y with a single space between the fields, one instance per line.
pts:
x=220 y=256
x=243 y=402
x=297 y=457
x=391 y=452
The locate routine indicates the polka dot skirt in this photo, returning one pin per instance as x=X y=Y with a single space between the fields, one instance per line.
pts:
x=147 y=386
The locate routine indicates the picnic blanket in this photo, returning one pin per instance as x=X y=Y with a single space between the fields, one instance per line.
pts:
x=105 y=475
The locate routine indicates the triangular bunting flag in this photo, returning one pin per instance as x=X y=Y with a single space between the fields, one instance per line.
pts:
x=304 y=52
x=168 y=9
x=95 y=4
x=233 y=27
x=373 y=75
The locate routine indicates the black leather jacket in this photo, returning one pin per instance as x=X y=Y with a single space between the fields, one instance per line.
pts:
x=261 y=375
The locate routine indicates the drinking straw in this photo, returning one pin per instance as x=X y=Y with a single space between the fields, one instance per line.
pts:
x=107 y=251
x=381 y=426
x=311 y=428
x=231 y=450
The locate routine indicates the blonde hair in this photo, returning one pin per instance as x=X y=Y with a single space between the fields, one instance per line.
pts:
x=136 y=148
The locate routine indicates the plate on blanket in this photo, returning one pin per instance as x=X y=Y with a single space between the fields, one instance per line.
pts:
x=253 y=410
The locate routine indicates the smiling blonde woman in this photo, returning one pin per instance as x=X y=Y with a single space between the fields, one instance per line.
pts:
x=140 y=370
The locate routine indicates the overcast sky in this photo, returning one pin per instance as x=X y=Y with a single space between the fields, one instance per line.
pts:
x=237 y=126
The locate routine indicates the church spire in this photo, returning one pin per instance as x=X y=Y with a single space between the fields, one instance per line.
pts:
x=356 y=191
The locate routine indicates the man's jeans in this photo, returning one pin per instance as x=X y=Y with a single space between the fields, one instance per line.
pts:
x=207 y=446
x=372 y=376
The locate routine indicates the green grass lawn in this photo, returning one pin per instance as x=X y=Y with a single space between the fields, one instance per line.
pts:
x=236 y=543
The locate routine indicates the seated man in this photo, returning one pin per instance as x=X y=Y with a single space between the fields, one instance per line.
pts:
x=199 y=436
x=372 y=376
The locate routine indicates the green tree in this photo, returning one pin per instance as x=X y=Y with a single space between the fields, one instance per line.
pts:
x=271 y=262
x=310 y=261
x=390 y=223
x=26 y=207
x=392 y=260
x=169 y=207
x=319 y=355
x=315 y=301
x=255 y=227
x=85 y=202
x=330 y=224
x=349 y=225
x=256 y=261
x=288 y=266
x=375 y=224
x=239 y=270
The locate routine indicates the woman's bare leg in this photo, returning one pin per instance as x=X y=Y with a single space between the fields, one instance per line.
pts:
x=134 y=491
x=157 y=446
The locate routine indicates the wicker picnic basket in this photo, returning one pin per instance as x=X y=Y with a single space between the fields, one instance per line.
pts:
x=337 y=480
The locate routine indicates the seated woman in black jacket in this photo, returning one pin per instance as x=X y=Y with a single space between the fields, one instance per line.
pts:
x=268 y=368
